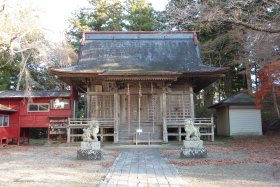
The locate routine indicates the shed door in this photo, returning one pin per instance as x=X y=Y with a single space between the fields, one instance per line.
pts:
x=245 y=122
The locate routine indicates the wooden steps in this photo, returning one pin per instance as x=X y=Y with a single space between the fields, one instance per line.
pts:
x=129 y=137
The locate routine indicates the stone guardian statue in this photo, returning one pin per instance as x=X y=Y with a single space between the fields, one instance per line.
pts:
x=90 y=146
x=192 y=132
x=192 y=145
x=94 y=129
x=90 y=133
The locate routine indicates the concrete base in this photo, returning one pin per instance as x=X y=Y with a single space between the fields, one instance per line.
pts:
x=89 y=154
x=193 y=149
x=90 y=145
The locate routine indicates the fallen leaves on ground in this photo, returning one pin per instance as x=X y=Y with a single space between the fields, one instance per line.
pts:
x=264 y=149
x=106 y=164
x=224 y=162
x=168 y=153
x=113 y=153
x=72 y=165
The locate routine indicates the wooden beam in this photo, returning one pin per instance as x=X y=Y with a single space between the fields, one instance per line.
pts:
x=99 y=93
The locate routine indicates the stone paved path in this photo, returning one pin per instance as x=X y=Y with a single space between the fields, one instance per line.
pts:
x=142 y=167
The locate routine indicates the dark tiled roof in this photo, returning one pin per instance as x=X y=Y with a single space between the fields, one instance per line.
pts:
x=22 y=94
x=240 y=99
x=6 y=109
x=138 y=52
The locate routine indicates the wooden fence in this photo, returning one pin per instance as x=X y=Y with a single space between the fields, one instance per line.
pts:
x=76 y=125
x=206 y=127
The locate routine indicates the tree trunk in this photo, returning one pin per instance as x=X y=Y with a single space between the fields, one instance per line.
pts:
x=248 y=78
x=24 y=60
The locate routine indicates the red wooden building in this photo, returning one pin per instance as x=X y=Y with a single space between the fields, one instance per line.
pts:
x=20 y=111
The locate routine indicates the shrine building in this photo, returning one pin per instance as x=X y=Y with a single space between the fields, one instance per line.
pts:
x=139 y=84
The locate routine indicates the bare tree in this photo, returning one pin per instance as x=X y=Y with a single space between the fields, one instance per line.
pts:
x=62 y=54
x=255 y=25
x=21 y=36
x=257 y=15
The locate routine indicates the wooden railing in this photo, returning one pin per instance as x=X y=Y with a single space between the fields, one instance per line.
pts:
x=206 y=127
x=80 y=123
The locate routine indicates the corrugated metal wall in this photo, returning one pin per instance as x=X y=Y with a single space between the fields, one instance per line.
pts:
x=245 y=122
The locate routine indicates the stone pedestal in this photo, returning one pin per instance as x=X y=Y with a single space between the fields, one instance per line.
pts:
x=193 y=149
x=94 y=145
x=90 y=150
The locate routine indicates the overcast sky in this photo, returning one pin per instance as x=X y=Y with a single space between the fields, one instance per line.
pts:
x=56 y=12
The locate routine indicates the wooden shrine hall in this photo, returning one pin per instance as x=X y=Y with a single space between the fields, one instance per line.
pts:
x=139 y=85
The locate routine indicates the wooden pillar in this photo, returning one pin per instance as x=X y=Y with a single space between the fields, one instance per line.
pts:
x=192 y=103
x=116 y=117
x=68 y=131
x=18 y=140
x=88 y=103
x=28 y=135
x=165 y=135
x=49 y=134
x=212 y=128
x=101 y=134
x=180 y=133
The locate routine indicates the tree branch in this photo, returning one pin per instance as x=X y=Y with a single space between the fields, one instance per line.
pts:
x=253 y=27
x=249 y=26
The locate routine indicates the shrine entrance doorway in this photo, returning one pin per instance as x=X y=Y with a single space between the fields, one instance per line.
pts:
x=140 y=113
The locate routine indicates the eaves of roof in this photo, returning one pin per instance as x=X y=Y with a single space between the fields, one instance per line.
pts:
x=33 y=94
x=6 y=109
x=239 y=99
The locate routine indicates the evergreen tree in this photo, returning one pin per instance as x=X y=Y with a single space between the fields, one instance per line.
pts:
x=102 y=15
x=8 y=72
x=140 y=16
x=112 y=15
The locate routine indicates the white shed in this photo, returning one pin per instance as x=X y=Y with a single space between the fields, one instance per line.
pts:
x=238 y=115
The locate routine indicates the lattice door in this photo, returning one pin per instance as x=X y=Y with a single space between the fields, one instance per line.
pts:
x=149 y=106
x=101 y=107
x=178 y=107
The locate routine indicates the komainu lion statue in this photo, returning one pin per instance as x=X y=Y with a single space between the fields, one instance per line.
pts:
x=90 y=133
x=192 y=132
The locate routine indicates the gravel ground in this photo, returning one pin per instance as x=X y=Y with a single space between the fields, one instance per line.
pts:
x=50 y=166
x=257 y=174
x=230 y=162
x=235 y=162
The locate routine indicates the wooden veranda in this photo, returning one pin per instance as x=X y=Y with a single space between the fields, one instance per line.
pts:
x=175 y=129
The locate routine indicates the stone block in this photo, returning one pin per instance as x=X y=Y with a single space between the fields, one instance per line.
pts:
x=90 y=145
x=193 y=144
x=193 y=153
x=89 y=154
